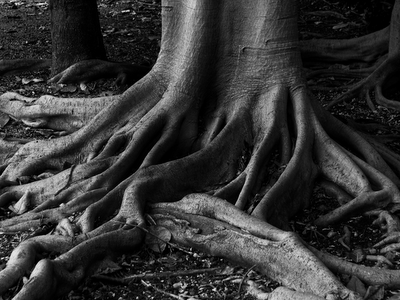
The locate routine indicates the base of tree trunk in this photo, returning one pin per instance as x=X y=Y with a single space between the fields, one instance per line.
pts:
x=95 y=69
x=81 y=72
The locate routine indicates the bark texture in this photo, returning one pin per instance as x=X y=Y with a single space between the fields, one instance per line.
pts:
x=221 y=143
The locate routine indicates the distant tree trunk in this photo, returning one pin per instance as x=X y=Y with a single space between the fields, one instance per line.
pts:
x=75 y=33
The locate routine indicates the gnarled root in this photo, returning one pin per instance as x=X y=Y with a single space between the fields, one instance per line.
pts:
x=195 y=221
x=55 y=278
x=369 y=275
x=120 y=168
x=51 y=112
x=95 y=69
x=386 y=74
x=208 y=119
x=81 y=72
x=390 y=223
x=383 y=77
x=357 y=54
x=13 y=66
x=367 y=49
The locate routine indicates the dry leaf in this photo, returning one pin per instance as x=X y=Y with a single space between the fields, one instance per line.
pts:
x=34 y=80
x=340 y=26
x=375 y=292
x=68 y=89
x=22 y=205
x=4 y=118
x=356 y=285
x=157 y=238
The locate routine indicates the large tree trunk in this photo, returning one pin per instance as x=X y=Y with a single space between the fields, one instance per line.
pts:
x=225 y=111
x=75 y=33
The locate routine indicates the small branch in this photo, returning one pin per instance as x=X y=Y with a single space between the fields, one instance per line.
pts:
x=164 y=292
x=129 y=279
x=345 y=240
x=244 y=277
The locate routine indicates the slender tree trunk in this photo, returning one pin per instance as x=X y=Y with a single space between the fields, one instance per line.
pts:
x=75 y=33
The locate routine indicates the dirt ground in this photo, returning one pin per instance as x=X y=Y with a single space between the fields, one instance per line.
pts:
x=132 y=33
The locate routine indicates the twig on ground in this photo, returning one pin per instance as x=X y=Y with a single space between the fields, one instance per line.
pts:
x=244 y=277
x=149 y=276
x=180 y=297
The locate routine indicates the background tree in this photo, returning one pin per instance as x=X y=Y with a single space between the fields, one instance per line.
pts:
x=75 y=33
x=78 y=53
x=225 y=114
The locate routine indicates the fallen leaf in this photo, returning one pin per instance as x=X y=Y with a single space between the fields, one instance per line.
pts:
x=34 y=80
x=356 y=285
x=228 y=270
x=154 y=37
x=4 y=118
x=108 y=266
x=157 y=238
x=357 y=255
x=375 y=292
x=326 y=13
x=83 y=87
x=38 y=122
x=68 y=89
x=340 y=26
x=22 y=205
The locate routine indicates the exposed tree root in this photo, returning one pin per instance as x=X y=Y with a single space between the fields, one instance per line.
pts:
x=262 y=245
x=52 y=112
x=14 y=66
x=80 y=72
x=77 y=188
x=95 y=69
x=55 y=278
x=211 y=119
x=340 y=73
x=8 y=149
x=366 y=49
x=369 y=275
x=383 y=77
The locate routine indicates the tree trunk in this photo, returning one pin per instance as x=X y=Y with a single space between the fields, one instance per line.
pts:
x=75 y=33
x=225 y=112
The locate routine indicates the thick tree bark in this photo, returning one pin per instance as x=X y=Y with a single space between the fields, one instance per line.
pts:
x=75 y=33
x=225 y=112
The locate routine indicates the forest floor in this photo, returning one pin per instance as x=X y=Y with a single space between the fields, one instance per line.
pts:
x=132 y=33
